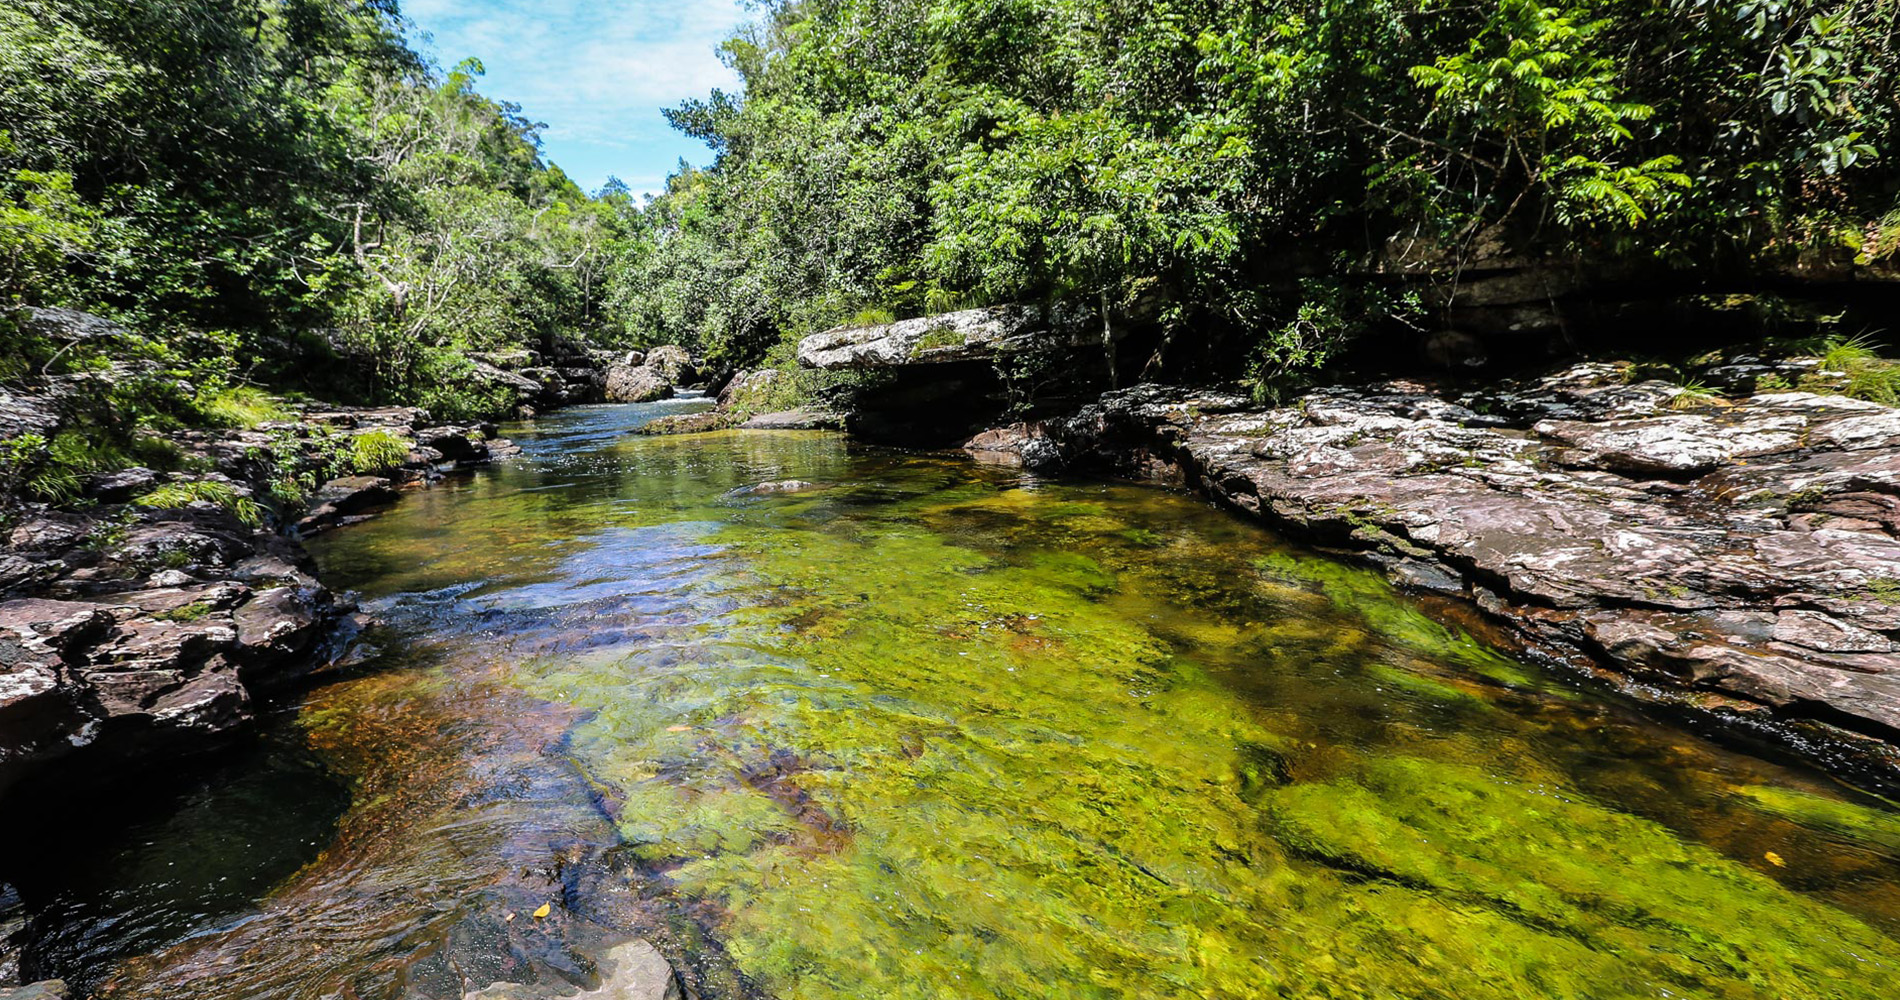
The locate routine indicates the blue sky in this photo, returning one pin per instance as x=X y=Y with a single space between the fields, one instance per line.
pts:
x=596 y=71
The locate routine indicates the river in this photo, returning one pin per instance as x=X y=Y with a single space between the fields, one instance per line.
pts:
x=929 y=729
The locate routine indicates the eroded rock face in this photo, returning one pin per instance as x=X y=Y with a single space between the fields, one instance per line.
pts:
x=970 y=335
x=1737 y=555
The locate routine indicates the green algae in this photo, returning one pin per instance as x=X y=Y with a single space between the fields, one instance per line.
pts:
x=938 y=731
x=1861 y=823
x=931 y=766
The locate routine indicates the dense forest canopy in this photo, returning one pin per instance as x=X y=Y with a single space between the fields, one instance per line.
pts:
x=289 y=179
x=283 y=192
x=913 y=155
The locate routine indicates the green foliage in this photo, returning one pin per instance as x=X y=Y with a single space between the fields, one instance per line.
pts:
x=285 y=165
x=911 y=156
x=242 y=407
x=173 y=496
x=376 y=451
x=1329 y=316
x=1868 y=375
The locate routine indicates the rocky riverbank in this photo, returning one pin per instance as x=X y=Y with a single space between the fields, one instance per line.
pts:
x=153 y=614
x=1729 y=546
x=1740 y=558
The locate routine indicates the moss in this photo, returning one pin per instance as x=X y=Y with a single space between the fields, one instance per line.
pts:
x=1853 y=820
x=195 y=611
x=1647 y=909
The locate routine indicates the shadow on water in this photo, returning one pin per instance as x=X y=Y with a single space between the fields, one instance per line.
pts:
x=931 y=729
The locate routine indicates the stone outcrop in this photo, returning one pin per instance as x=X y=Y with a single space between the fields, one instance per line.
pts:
x=1742 y=558
x=650 y=376
x=938 y=378
x=561 y=374
x=981 y=335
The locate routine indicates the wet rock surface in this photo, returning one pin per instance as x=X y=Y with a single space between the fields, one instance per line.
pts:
x=633 y=971
x=1740 y=557
x=969 y=335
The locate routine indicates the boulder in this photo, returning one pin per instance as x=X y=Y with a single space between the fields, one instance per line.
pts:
x=637 y=385
x=22 y=415
x=122 y=486
x=673 y=364
x=67 y=326
x=340 y=499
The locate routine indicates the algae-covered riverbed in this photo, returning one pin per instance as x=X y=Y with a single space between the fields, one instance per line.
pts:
x=926 y=729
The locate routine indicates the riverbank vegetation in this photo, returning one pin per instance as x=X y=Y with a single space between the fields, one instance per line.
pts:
x=283 y=194
x=1281 y=174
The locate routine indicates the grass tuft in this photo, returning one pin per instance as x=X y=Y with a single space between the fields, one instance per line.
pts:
x=173 y=496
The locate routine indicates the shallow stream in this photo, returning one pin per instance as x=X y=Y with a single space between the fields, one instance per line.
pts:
x=927 y=729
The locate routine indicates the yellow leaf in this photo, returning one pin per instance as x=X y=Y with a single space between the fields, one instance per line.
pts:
x=1775 y=859
x=546 y=908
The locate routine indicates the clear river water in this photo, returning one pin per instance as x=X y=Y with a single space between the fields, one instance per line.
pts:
x=930 y=729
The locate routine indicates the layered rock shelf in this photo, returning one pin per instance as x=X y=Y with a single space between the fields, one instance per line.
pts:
x=130 y=630
x=1741 y=557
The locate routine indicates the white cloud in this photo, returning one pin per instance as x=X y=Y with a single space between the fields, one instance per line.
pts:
x=597 y=72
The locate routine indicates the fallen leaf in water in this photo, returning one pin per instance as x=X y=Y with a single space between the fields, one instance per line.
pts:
x=677 y=729
x=1775 y=859
x=546 y=908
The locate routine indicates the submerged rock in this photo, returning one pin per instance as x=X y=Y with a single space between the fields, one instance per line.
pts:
x=633 y=971
x=50 y=989
x=794 y=420
x=781 y=486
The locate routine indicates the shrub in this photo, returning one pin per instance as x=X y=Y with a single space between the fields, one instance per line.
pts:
x=241 y=407
x=376 y=451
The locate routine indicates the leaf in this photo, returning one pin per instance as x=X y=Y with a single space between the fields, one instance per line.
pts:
x=547 y=908
x=1775 y=859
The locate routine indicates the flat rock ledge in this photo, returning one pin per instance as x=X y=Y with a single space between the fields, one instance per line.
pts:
x=1740 y=558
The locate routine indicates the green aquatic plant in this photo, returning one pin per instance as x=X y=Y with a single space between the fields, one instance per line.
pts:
x=1859 y=822
x=1622 y=904
x=933 y=762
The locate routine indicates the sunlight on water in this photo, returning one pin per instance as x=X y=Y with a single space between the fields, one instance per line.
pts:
x=927 y=730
